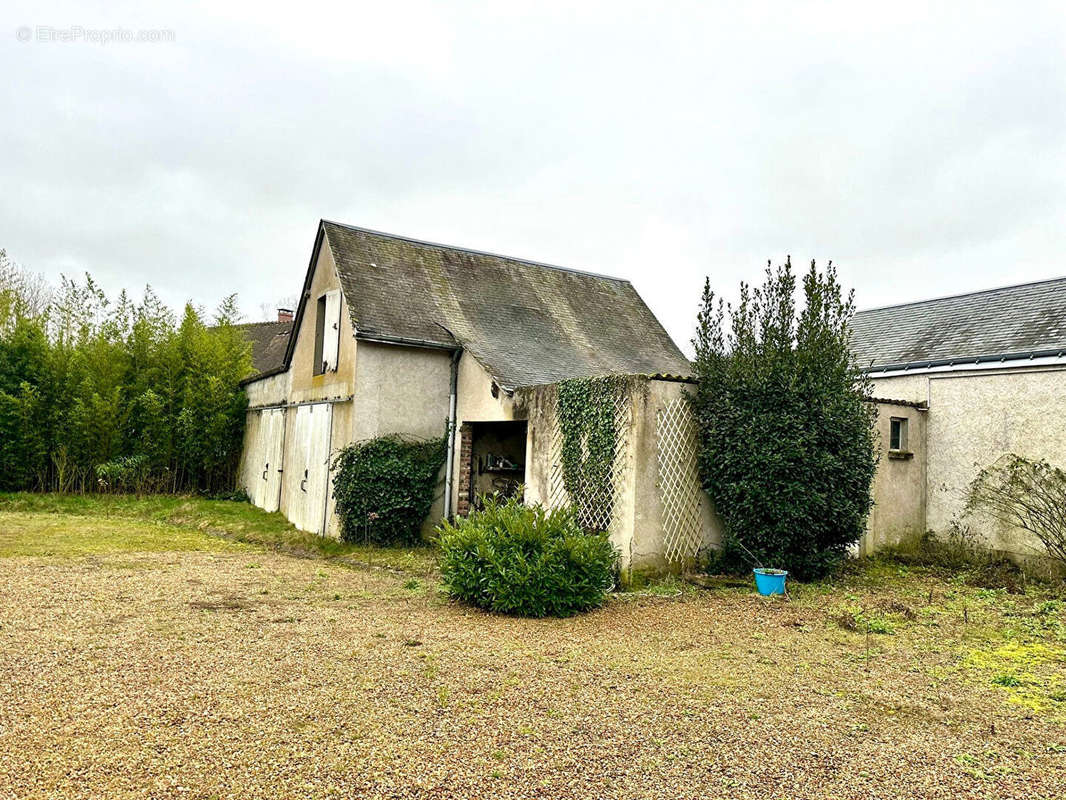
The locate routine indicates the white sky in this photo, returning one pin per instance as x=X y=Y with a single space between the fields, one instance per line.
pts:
x=921 y=147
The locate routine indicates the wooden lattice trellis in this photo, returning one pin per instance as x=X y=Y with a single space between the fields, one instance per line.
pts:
x=595 y=509
x=679 y=481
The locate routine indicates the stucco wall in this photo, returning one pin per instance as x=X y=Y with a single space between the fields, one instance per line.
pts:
x=899 y=487
x=912 y=388
x=638 y=527
x=305 y=385
x=270 y=391
x=399 y=390
x=647 y=545
x=974 y=418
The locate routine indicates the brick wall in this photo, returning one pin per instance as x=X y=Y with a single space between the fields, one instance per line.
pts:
x=466 y=464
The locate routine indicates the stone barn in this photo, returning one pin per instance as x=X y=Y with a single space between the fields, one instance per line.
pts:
x=397 y=335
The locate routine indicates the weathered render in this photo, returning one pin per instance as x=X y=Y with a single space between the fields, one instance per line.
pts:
x=394 y=335
x=990 y=370
x=899 y=489
x=661 y=518
x=399 y=336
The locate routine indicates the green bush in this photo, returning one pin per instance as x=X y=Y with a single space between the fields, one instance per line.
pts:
x=787 y=446
x=525 y=560
x=385 y=487
x=126 y=474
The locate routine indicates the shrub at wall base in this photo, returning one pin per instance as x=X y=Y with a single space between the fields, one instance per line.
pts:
x=384 y=488
x=526 y=560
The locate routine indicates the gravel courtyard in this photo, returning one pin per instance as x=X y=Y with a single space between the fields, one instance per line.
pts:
x=174 y=663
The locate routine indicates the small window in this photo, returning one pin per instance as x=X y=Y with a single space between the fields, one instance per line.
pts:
x=320 y=335
x=897 y=437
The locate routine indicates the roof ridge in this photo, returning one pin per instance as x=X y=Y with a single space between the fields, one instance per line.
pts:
x=472 y=251
x=963 y=294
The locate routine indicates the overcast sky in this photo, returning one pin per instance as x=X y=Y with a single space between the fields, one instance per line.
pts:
x=923 y=150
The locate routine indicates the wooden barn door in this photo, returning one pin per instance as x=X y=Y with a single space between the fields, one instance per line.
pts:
x=307 y=467
x=272 y=432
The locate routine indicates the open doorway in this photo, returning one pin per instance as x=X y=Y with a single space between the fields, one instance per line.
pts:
x=497 y=459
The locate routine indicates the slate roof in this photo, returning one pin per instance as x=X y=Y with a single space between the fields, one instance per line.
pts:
x=269 y=341
x=527 y=323
x=1011 y=322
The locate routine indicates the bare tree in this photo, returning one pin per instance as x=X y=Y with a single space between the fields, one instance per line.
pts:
x=22 y=293
x=1025 y=494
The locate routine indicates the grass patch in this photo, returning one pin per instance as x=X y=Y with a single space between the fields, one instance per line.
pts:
x=1032 y=673
x=86 y=524
x=42 y=534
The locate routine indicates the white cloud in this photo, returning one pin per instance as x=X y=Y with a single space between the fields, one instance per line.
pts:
x=920 y=146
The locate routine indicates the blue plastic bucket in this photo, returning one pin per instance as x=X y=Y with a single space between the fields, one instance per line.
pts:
x=770 y=581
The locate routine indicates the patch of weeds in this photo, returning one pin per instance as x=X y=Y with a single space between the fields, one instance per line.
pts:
x=412 y=585
x=846 y=620
x=253 y=565
x=1007 y=679
x=856 y=621
x=904 y=610
x=880 y=626
x=225 y=604
x=1047 y=608
x=1030 y=673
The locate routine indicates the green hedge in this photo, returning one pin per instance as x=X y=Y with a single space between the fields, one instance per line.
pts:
x=525 y=560
x=787 y=439
x=385 y=487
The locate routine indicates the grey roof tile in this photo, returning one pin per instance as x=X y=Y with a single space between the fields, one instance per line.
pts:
x=269 y=341
x=528 y=323
x=1007 y=321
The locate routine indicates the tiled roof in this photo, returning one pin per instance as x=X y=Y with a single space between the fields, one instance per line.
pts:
x=527 y=323
x=269 y=341
x=1011 y=321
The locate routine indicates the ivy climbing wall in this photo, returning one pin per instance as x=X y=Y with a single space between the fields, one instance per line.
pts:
x=638 y=480
x=595 y=496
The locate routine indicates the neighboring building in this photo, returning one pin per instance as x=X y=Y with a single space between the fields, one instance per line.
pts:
x=980 y=375
x=269 y=341
x=396 y=335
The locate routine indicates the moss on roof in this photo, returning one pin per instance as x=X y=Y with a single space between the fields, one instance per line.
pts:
x=527 y=323
x=269 y=341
